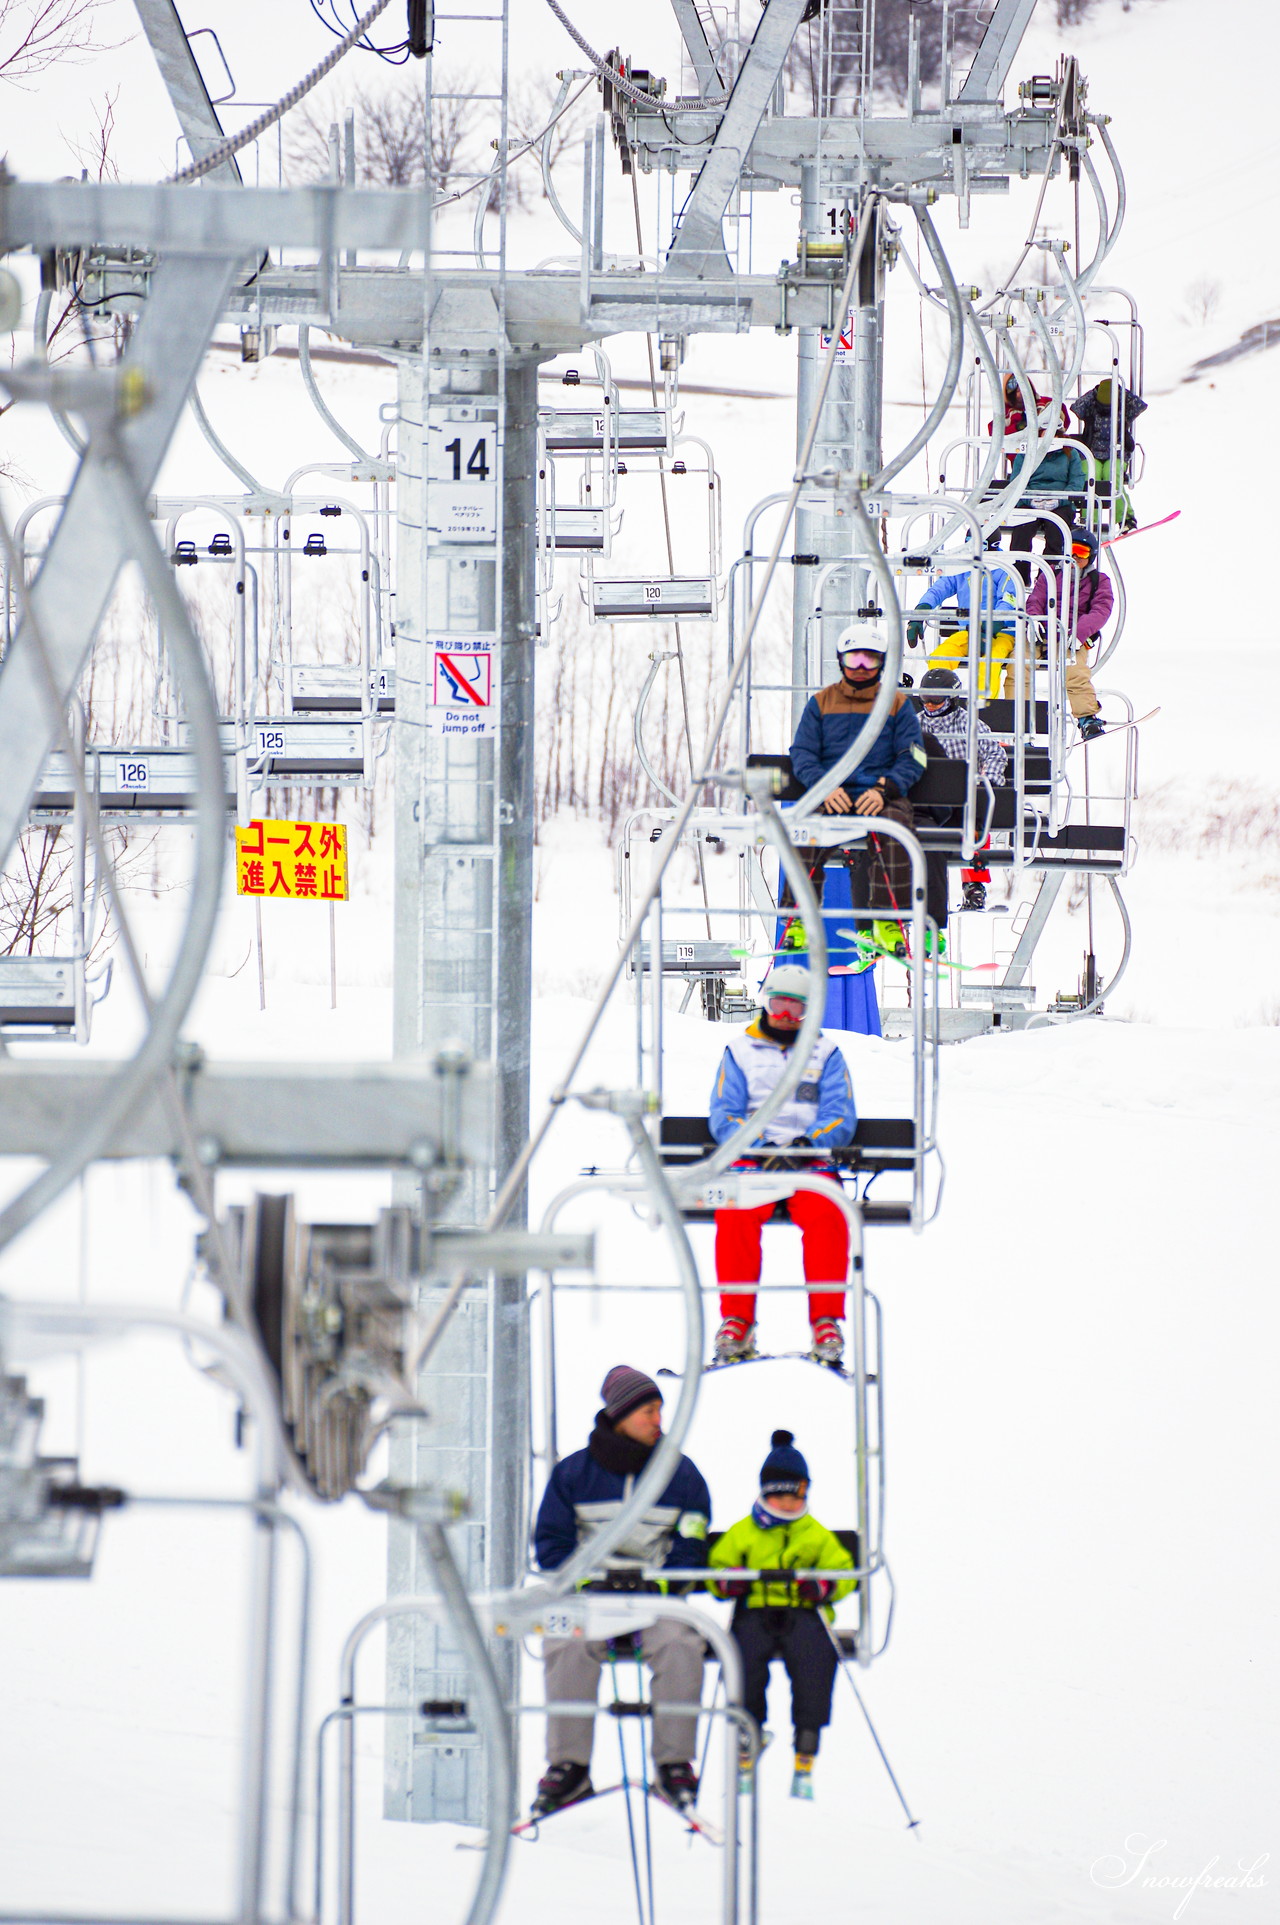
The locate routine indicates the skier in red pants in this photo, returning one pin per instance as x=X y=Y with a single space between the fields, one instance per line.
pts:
x=819 y=1115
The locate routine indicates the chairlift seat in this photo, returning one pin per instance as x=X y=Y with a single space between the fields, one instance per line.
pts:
x=335 y=688
x=582 y=430
x=879 y=1143
x=37 y=992
x=696 y=958
x=652 y=598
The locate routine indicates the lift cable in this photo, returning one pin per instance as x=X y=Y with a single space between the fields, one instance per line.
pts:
x=627 y=88
x=671 y=568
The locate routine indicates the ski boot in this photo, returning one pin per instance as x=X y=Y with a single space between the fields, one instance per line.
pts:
x=795 y=937
x=828 y=1343
x=735 y=1341
x=975 y=895
x=931 y=942
x=889 y=938
x=561 y=1785
x=802 y=1776
x=678 y=1784
x=747 y=1764
x=1090 y=726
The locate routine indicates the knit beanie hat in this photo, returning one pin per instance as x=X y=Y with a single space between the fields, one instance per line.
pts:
x=784 y=1469
x=624 y=1390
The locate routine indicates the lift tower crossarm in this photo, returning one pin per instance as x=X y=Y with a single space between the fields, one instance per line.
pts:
x=197 y=116
x=996 y=50
x=699 y=246
x=694 y=35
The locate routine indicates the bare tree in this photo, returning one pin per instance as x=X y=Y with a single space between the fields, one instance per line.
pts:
x=1202 y=300
x=390 y=130
x=38 y=34
x=94 y=151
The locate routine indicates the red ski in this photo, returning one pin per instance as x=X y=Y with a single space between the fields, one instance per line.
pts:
x=1145 y=529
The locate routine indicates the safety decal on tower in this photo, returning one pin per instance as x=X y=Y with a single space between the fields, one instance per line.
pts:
x=463 y=686
x=844 y=346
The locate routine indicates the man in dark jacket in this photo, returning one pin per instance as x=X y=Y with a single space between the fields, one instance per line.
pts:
x=832 y=720
x=583 y=1493
x=1085 y=600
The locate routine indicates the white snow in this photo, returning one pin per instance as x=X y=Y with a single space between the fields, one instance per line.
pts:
x=1080 y=1697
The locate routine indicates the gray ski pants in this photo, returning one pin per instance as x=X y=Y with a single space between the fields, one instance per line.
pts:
x=673 y=1652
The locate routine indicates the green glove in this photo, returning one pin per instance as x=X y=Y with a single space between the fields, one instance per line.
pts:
x=914 y=631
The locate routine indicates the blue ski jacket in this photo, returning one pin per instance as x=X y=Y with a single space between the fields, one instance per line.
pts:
x=822 y=1107
x=947 y=587
x=583 y=1493
x=833 y=719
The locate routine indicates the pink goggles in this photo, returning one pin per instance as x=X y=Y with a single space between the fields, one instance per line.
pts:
x=861 y=657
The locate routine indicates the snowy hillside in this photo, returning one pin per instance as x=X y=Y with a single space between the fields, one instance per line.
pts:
x=1081 y=1696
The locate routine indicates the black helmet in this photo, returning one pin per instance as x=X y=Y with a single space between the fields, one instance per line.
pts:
x=940 y=684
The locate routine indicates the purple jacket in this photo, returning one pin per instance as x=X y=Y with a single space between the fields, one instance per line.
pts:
x=1089 y=601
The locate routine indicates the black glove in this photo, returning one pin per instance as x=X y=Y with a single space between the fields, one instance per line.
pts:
x=735 y=1586
x=802 y=1142
x=813 y=1590
x=914 y=631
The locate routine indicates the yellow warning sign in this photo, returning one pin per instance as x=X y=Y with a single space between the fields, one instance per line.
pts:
x=301 y=861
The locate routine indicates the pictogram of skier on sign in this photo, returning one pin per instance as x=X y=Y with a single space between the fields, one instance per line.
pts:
x=463 y=680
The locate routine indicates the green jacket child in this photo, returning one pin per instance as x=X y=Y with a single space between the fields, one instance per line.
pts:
x=784 y=1617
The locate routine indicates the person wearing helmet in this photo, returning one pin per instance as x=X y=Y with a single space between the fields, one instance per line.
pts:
x=819 y=1115
x=1084 y=598
x=998 y=603
x=1106 y=415
x=832 y=721
x=944 y=719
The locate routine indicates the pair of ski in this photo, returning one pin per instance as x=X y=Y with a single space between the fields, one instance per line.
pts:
x=692 y=1820
x=767 y=1357
x=874 y=952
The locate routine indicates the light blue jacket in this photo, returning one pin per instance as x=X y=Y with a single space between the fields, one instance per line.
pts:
x=947 y=586
x=822 y=1108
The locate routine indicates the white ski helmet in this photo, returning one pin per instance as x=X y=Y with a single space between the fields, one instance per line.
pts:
x=787 y=979
x=864 y=634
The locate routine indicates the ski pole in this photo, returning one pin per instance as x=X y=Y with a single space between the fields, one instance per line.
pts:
x=626 y=1796
x=912 y=1823
x=644 y=1784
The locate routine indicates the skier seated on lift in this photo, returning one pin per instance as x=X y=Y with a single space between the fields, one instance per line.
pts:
x=584 y=1491
x=1093 y=411
x=1085 y=600
x=944 y=720
x=785 y=1618
x=819 y=1115
x=833 y=719
x=998 y=603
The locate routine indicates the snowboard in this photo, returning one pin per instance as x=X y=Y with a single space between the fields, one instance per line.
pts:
x=1145 y=529
x=1118 y=729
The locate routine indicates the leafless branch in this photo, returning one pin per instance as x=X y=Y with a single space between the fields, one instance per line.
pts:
x=38 y=34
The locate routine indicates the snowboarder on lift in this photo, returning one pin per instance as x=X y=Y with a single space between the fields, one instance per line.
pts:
x=944 y=720
x=584 y=1491
x=819 y=1115
x=1085 y=600
x=784 y=1617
